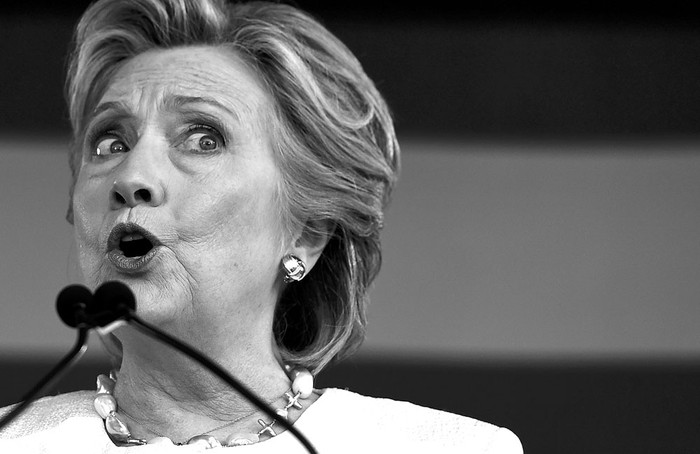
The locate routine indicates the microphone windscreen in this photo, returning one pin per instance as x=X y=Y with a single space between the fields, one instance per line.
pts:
x=113 y=299
x=72 y=302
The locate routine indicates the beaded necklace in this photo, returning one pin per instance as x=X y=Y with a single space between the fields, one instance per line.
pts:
x=106 y=406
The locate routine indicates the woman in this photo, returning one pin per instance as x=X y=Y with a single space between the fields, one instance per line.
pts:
x=231 y=163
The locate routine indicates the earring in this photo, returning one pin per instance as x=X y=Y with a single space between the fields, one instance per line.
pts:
x=294 y=268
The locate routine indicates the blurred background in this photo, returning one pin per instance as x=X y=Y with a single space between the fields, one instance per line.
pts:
x=542 y=260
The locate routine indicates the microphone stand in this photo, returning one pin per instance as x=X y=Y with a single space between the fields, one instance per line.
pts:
x=52 y=377
x=219 y=371
x=71 y=306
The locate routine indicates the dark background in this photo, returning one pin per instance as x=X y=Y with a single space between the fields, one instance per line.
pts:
x=488 y=69
x=495 y=70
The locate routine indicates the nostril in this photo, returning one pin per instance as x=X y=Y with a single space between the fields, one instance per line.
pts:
x=134 y=191
x=118 y=198
x=143 y=194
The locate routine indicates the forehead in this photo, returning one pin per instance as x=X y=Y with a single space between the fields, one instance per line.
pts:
x=152 y=78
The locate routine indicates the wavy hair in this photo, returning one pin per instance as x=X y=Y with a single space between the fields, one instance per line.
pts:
x=333 y=138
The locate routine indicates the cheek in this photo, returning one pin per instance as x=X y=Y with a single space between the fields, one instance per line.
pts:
x=86 y=219
x=244 y=203
x=239 y=225
x=86 y=242
x=256 y=216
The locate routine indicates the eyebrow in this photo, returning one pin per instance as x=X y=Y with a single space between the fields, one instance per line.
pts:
x=177 y=102
x=120 y=107
x=174 y=102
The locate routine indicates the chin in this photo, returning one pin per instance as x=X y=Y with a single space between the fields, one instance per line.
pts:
x=162 y=295
x=157 y=301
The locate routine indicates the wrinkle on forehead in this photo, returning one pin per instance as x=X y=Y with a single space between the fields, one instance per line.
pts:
x=165 y=79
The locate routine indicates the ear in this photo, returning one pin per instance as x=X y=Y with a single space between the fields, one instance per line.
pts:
x=311 y=241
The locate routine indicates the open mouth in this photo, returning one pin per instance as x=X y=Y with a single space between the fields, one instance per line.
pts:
x=134 y=245
x=130 y=247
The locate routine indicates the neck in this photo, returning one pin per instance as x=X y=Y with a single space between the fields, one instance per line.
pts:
x=168 y=394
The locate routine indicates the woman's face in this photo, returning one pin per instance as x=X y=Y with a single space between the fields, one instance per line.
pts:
x=176 y=195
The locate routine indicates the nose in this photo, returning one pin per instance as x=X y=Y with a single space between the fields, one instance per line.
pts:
x=137 y=182
x=131 y=194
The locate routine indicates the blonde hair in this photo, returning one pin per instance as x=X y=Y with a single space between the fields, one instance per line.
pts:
x=333 y=136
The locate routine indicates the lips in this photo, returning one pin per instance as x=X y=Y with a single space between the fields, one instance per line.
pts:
x=130 y=247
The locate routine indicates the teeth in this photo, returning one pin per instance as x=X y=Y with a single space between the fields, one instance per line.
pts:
x=132 y=237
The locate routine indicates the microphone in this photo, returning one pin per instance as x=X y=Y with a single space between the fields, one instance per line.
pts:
x=71 y=305
x=78 y=308
x=114 y=300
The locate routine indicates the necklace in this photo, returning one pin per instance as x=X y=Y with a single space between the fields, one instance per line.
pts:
x=106 y=406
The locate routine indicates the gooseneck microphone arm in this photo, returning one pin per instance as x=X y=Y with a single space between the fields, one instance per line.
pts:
x=51 y=378
x=73 y=305
x=118 y=299
x=79 y=308
x=70 y=304
x=221 y=373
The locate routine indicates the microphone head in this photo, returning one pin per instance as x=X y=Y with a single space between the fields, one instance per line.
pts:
x=113 y=300
x=72 y=303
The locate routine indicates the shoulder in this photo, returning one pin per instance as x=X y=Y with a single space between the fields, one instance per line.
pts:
x=391 y=423
x=48 y=412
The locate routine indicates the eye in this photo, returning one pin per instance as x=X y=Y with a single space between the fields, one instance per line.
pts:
x=109 y=146
x=208 y=143
x=203 y=139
